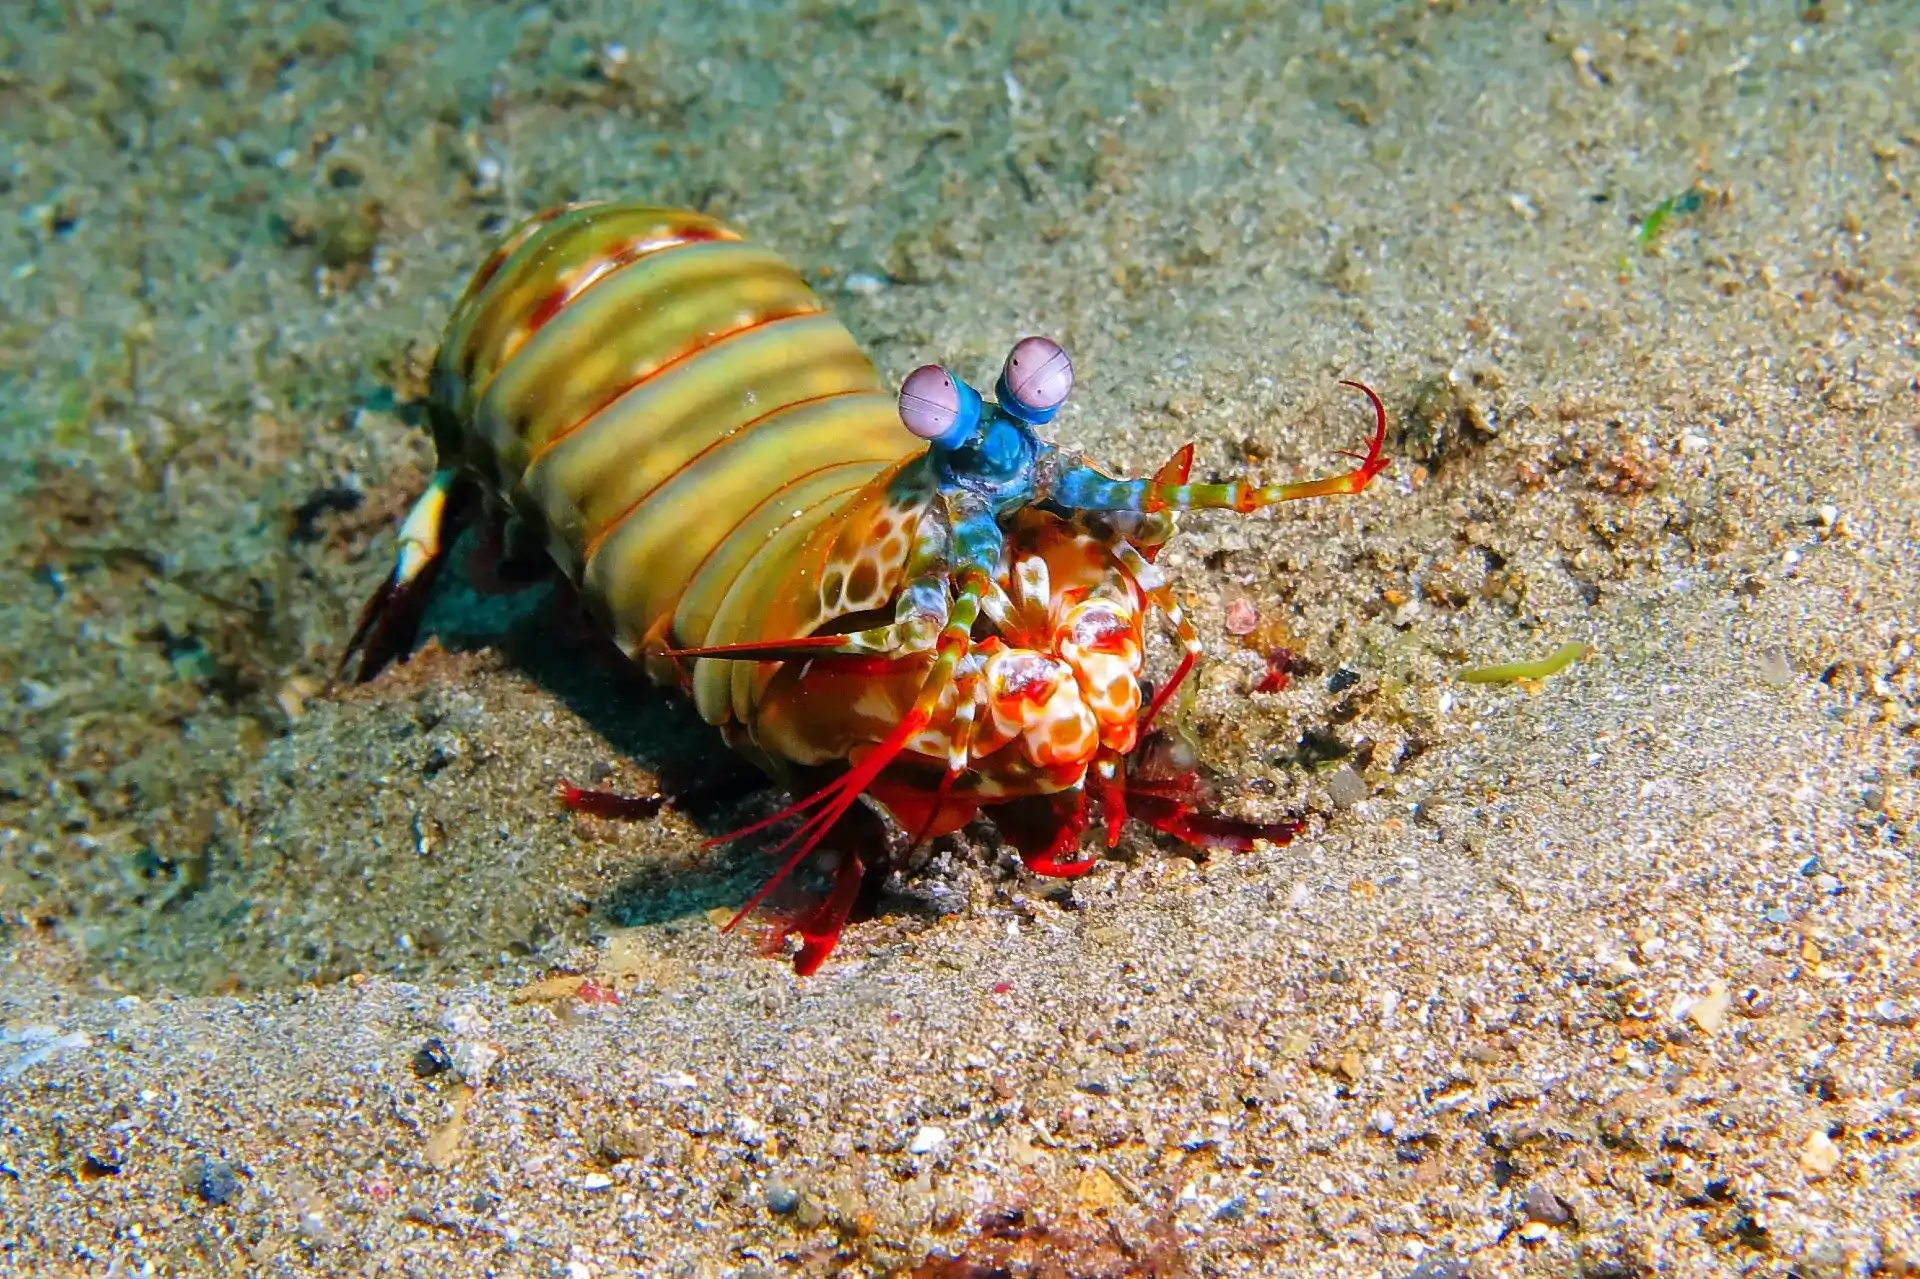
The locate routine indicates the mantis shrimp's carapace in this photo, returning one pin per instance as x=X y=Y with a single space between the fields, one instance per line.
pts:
x=919 y=599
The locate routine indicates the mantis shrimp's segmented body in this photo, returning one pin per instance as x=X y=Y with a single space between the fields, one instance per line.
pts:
x=919 y=599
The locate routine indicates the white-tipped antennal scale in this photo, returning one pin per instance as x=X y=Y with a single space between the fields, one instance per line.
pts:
x=1036 y=380
x=938 y=407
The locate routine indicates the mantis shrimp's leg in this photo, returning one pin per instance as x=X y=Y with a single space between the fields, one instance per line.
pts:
x=862 y=842
x=892 y=640
x=1107 y=779
x=1158 y=591
x=420 y=534
x=1045 y=831
x=972 y=688
x=386 y=623
x=507 y=557
x=1084 y=489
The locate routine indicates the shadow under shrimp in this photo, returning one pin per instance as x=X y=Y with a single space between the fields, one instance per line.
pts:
x=526 y=611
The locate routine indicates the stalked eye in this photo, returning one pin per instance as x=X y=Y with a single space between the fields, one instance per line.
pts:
x=1037 y=378
x=938 y=407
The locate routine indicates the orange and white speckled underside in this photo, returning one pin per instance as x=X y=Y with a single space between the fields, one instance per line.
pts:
x=1055 y=681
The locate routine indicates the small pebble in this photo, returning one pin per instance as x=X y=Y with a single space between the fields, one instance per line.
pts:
x=927 y=1140
x=1828 y=884
x=1543 y=1206
x=214 y=1181
x=432 y=1059
x=475 y=1061
x=487 y=172
x=1242 y=617
x=465 y=1022
x=1709 y=1012
x=1342 y=680
x=1819 y=1156
x=1345 y=788
x=864 y=284
x=1777 y=915
x=1774 y=668
x=1810 y=867
x=38 y=696
x=1535 y=1232
x=595 y=1181
x=1889 y=1013
x=782 y=1196
x=1383 y=1122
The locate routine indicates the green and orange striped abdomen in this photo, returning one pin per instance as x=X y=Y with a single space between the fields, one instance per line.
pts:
x=689 y=425
x=713 y=461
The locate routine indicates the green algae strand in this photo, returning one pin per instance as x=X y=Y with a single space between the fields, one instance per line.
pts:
x=1507 y=672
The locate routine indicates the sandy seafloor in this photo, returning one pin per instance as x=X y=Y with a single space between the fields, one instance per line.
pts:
x=1611 y=975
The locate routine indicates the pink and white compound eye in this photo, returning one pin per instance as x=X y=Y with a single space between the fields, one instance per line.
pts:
x=1038 y=376
x=932 y=403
